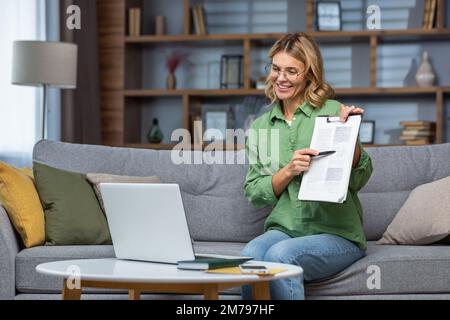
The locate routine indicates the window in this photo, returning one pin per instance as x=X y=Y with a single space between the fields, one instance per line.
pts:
x=19 y=105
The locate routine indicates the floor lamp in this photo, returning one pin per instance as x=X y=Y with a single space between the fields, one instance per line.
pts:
x=45 y=64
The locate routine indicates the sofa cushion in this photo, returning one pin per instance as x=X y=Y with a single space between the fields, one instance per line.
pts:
x=29 y=281
x=96 y=178
x=72 y=212
x=396 y=172
x=19 y=197
x=424 y=218
x=403 y=270
x=379 y=208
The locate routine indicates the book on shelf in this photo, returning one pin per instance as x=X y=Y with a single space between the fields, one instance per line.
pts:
x=202 y=19
x=131 y=29
x=418 y=129
x=429 y=14
x=411 y=136
x=426 y=11
x=424 y=127
x=195 y=21
x=208 y=263
x=134 y=22
x=417 y=123
x=198 y=20
x=413 y=132
x=417 y=136
x=416 y=142
x=432 y=16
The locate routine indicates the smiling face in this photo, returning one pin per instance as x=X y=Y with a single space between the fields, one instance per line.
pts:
x=288 y=77
x=299 y=52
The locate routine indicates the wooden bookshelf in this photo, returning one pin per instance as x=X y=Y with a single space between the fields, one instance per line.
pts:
x=142 y=93
x=122 y=95
x=192 y=92
x=339 y=36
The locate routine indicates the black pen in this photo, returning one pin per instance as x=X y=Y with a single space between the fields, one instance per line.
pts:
x=325 y=153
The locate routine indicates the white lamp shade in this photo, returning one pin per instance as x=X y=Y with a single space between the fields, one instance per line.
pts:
x=38 y=63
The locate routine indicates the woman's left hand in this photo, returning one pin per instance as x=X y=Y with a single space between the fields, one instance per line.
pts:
x=345 y=111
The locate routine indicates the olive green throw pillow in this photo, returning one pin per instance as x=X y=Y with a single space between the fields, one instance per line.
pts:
x=72 y=213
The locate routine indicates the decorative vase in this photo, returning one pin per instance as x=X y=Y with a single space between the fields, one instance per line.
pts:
x=425 y=75
x=171 y=82
x=155 y=134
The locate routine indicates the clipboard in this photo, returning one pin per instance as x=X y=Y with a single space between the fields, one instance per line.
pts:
x=327 y=178
x=336 y=118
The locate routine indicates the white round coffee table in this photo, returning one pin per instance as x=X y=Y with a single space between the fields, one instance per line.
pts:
x=137 y=276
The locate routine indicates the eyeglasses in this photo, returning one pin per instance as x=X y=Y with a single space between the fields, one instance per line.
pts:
x=290 y=74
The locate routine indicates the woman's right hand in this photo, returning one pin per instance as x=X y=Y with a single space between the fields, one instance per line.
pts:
x=300 y=162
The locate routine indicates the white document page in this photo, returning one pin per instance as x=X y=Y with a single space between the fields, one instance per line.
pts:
x=328 y=177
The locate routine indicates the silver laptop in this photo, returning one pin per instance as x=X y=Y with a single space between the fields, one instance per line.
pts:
x=147 y=222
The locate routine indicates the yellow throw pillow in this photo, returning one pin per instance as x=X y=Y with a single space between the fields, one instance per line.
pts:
x=19 y=197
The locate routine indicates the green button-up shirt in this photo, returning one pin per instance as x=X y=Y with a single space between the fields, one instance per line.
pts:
x=290 y=215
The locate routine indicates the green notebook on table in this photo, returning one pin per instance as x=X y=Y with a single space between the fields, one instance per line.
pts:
x=208 y=263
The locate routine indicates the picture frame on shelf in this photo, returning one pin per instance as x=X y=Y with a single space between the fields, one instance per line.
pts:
x=328 y=16
x=367 y=132
x=216 y=120
x=231 y=71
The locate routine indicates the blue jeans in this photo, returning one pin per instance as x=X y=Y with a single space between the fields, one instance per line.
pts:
x=319 y=255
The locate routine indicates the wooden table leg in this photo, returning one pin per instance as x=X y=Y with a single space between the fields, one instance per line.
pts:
x=261 y=290
x=134 y=294
x=211 y=292
x=69 y=293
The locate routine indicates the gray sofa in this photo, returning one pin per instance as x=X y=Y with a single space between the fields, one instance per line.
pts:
x=221 y=220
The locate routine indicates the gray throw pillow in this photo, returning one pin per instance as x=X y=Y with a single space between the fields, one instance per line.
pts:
x=424 y=218
x=96 y=178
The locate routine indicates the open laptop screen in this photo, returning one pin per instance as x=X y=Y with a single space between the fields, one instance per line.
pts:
x=147 y=222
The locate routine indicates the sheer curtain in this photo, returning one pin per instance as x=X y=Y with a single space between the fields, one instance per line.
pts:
x=19 y=105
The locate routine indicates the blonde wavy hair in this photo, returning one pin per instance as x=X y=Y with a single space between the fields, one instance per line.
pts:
x=303 y=48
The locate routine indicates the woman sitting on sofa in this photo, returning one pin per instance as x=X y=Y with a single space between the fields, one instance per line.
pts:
x=323 y=238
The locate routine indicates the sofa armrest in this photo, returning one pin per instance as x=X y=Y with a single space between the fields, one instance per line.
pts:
x=9 y=247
